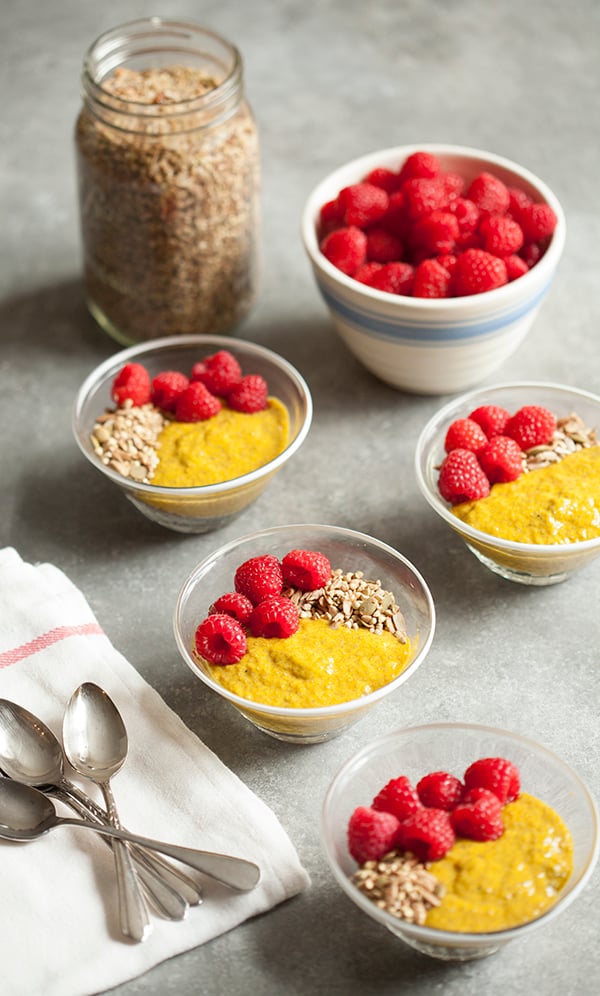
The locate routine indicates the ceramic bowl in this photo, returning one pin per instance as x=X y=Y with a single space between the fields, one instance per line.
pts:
x=349 y=550
x=432 y=346
x=527 y=563
x=195 y=509
x=452 y=747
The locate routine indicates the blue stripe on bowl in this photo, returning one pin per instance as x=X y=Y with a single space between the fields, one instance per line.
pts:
x=371 y=323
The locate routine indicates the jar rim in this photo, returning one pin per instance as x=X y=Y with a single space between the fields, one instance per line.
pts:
x=113 y=47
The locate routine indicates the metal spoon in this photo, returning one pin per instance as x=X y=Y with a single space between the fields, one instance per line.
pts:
x=30 y=753
x=95 y=742
x=26 y=814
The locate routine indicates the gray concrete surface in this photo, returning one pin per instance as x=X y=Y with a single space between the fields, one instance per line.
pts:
x=328 y=81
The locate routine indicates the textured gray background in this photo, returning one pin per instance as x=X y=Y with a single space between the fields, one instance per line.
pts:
x=328 y=81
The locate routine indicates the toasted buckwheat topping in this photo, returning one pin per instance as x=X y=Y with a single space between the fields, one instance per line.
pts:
x=401 y=885
x=353 y=601
x=126 y=440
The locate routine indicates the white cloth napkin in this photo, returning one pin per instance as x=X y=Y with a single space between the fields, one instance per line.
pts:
x=58 y=919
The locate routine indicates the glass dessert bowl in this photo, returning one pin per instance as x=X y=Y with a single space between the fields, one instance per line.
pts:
x=452 y=747
x=346 y=550
x=202 y=508
x=530 y=563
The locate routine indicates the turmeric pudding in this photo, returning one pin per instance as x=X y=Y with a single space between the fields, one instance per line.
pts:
x=316 y=666
x=555 y=504
x=497 y=884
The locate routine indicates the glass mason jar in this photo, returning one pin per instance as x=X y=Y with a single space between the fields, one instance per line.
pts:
x=168 y=173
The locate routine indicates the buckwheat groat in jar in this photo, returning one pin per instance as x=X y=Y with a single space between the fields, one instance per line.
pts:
x=168 y=168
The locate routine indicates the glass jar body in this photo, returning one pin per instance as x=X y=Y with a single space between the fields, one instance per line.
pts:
x=168 y=171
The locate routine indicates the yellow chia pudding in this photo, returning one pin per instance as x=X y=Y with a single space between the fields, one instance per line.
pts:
x=316 y=666
x=559 y=503
x=497 y=884
x=221 y=448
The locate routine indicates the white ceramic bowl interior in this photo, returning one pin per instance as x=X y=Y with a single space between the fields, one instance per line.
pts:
x=414 y=751
x=346 y=549
x=438 y=346
x=197 y=509
x=527 y=563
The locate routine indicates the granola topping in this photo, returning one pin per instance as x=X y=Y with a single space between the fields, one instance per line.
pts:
x=126 y=440
x=349 y=599
x=571 y=434
x=401 y=885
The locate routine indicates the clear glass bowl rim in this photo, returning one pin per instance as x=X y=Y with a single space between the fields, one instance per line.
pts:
x=137 y=352
x=317 y=712
x=429 y=935
x=437 y=503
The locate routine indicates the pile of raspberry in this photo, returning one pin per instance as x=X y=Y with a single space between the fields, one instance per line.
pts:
x=422 y=232
x=257 y=604
x=488 y=447
x=196 y=396
x=426 y=819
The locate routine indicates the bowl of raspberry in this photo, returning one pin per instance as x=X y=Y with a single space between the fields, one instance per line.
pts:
x=304 y=628
x=459 y=838
x=433 y=261
x=192 y=428
x=514 y=470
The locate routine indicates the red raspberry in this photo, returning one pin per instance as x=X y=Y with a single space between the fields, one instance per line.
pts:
x=419 y=164
x=220 y=639
x=448 y=261
x=382 y=246
x=478 y=816
x=500 y=235
x=259 y=577
x=496 y=774
x=274 y=616
x=538 y=221
x=515 y=267
x=250 y=395
x=196 y=404
x=305 y=569
x=362 y=204
x=467 y=214
x=491 y=418
x=384 y=178
x=166 y=388
x=399 y=797
x=366 y=272
x=330 y=218
x=501 y=460
x=424 y=195
x=477 y=271
x=439 y=790
x=346 y=248
x=517 y=200
x=532 y=425
x=431 y=280
x=220 y=373
x=464 y=434
x=132 y=383
x=394 y=278
x=371 y=834
x=436 y=232
x=489 y=194
x=531 y=253
x=454 y=184
x=461 y=478
x=396 y=218
x=427 y=834
x=232 y=603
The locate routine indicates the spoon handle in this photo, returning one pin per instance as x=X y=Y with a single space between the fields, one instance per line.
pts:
x=168 y=900
x=133 y=912
x=175 y=878
x=237 y=873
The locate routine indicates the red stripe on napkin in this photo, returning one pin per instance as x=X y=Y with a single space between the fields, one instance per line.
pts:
x=46 y=640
